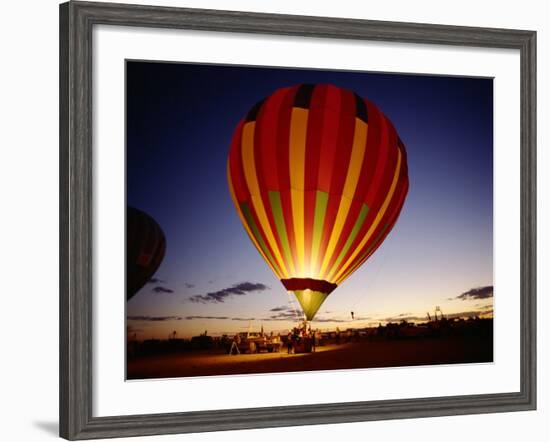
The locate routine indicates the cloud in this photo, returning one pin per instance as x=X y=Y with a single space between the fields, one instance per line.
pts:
x=484 y=306
x=399 y=318
x=160 y=289
x=477 y=293
x=240 y=289
x=154 y=318
x=282 y=316
x=340 y=320
x=329 y=320
x=470 y=313
x=282 y=308
x=363 y=318
x=206 y=317
x=155 y=281
x=189 y=286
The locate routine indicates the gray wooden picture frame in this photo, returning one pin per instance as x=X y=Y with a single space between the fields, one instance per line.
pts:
x=76 y=243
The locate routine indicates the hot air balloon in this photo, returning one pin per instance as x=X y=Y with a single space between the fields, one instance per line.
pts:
x=318 y=176
x=145 y=248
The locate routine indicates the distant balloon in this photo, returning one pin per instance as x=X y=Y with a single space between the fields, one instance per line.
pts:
x=318 y=176
x=145 y=248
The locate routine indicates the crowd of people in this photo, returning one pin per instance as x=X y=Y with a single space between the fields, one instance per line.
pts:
x=302 y=339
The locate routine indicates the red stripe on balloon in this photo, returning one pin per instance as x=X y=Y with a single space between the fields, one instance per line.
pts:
x=316 y=116
x=344 y=144
x=383 y=178
x=314 y=140
x=380 y=167
x=309 y=217
x=268 y=124
x=340 y=164
x=260 y=151
x=372 y=151
x=236 y=168
x=283 y=166
x=329 y=137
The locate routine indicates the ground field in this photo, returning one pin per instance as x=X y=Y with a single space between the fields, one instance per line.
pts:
x=363 y=354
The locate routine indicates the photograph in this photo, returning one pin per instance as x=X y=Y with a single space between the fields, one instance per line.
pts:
x=290 y=220
x=275 y=221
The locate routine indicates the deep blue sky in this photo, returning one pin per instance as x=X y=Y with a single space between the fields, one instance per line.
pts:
x=180 y=120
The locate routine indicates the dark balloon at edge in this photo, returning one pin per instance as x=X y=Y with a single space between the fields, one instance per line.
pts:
x=145 y=249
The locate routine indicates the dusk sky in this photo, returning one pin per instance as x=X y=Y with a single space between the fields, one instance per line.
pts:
x=180 y=120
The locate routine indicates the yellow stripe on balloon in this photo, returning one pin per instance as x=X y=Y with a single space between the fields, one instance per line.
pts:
x=357 y=158
x=376 y=221
x=343 y=209
x=245 y=224
x=352 y=177
x=297 y=160
x=249 y=166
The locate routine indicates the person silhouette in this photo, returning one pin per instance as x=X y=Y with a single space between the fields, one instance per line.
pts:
x=289 y=342
x=235 y=344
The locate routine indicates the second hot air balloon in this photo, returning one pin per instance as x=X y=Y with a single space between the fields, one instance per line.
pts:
x=318 y=176
x=145 y=248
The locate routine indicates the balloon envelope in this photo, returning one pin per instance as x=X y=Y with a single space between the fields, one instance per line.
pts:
x=145 y=248
x=318 y=176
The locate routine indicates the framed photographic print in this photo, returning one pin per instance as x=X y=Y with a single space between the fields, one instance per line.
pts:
x=315 y=218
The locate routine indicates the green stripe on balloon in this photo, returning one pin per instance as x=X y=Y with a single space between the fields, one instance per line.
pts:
x=321 y=201
x=277 y=210
x=256 y=232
